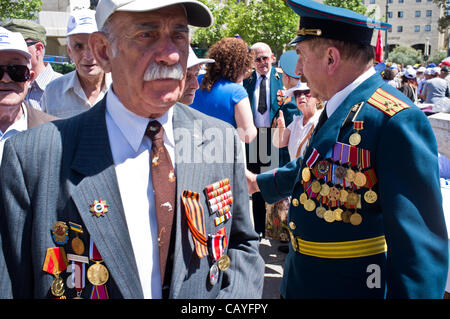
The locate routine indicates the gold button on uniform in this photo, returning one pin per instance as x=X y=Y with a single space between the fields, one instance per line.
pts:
x=292 y=225
x=295 y=202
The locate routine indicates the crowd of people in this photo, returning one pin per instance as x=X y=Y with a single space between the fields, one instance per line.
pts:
x=138 y=167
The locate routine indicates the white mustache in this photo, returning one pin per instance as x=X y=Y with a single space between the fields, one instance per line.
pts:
x=156 y=71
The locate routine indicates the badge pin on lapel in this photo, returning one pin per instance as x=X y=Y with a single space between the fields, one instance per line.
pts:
x=99 y=208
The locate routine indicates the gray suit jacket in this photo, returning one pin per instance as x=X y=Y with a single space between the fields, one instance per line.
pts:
x=55 y=171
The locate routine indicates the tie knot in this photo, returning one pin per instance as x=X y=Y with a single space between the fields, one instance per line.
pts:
x=154 y=131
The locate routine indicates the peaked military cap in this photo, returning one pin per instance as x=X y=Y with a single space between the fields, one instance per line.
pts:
x=288 y=62
x=320 y=20
x=28 y=29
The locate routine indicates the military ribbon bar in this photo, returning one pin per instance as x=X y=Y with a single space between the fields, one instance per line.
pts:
x=75 y=227
x=216 y=245
x=217 y=185
x=196 y=221
x=313 y=158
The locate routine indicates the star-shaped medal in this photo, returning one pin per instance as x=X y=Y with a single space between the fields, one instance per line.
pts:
x=99 y=208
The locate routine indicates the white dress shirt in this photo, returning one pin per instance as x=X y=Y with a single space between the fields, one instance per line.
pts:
x=131 y=154
x=340 y=96
x=262 y=120
x=18 y=126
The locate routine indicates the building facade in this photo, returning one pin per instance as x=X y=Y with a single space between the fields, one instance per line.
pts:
x=414 y=24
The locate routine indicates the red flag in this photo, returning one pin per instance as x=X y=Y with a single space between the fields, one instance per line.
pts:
x=379 y=54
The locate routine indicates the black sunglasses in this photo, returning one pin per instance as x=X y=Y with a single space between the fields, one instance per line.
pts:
x=30 y=43
x=17 y=73
x=298 y=93
x=262 y=58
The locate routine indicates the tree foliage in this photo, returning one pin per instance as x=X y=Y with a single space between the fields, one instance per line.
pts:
x=20 y=9
x=354 y=5
x=405 y=55
x=269 y=21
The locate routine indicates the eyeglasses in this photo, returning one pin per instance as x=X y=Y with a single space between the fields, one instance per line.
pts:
x=299 y=93
x=30 y=43
x=262 y=58
x=17 y=73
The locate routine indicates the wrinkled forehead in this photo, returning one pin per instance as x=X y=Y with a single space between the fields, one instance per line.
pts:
x=173 y=15
x=11 y=57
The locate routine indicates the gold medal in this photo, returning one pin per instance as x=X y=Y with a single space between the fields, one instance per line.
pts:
x=370 y=196
x=306 y=174
x=343 y=195
x=355 y=139
x=329 y=216
x=338 y=214
x=303 y=198
x=320 y=212
x=356 y=219
x=316 y=187
x=360 y=179
x=325 y=190
x=97 y=274
x=310 y=205
x=350 y=175
x=223 y=262
x=295 y=202
x=57 y=287
x=352 y=199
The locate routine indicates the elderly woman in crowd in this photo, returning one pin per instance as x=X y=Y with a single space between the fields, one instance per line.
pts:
x=297 y=134
x=221 y=95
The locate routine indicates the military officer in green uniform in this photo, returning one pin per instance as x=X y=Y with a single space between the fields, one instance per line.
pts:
x=366 y=218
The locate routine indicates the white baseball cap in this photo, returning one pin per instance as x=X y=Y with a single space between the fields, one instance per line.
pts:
x=13 y=41
x=197 y=13
x=301 y=86
x=194 y=60
x=410 y=73
x=81 y=21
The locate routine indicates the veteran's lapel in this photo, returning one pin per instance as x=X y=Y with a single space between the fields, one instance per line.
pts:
x=189 y=141
x=93 y=166
x=328 y=134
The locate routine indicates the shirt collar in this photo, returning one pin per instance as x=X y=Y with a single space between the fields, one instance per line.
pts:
x=340 y=96
x=20 y=125
x=132 y=125
x=45 y=77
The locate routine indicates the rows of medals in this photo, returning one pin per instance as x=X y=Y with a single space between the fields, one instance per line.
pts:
x=57 y=261
x=331 y=184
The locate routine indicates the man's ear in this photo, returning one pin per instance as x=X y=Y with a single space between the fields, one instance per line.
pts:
x=333 y=59
x=101 y=50
x=32 y=76
x=39 y=47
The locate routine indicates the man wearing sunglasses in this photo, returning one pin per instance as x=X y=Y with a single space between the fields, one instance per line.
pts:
x=264 y=89
x=36 y=40
x=15 y=78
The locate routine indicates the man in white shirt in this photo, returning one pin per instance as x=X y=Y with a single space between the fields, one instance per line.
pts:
x=79 y=90
x=36 y=39
x=138 y=177
x=16 y=76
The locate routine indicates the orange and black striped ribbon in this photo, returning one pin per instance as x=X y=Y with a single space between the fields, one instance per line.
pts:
x=196 y=221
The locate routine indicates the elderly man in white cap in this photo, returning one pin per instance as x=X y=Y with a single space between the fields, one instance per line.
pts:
x=147 y=194
x=16 y=115
x=435 y=89
x=80 y=89
x=194 y=65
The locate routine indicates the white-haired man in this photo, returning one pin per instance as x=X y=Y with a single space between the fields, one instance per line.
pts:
x=131 y=177
x=79 y=90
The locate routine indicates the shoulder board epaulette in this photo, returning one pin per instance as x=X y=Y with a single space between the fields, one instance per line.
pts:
x=387 y=103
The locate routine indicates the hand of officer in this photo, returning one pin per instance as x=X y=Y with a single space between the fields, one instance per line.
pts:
x=251 y=181
x=280 y=121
